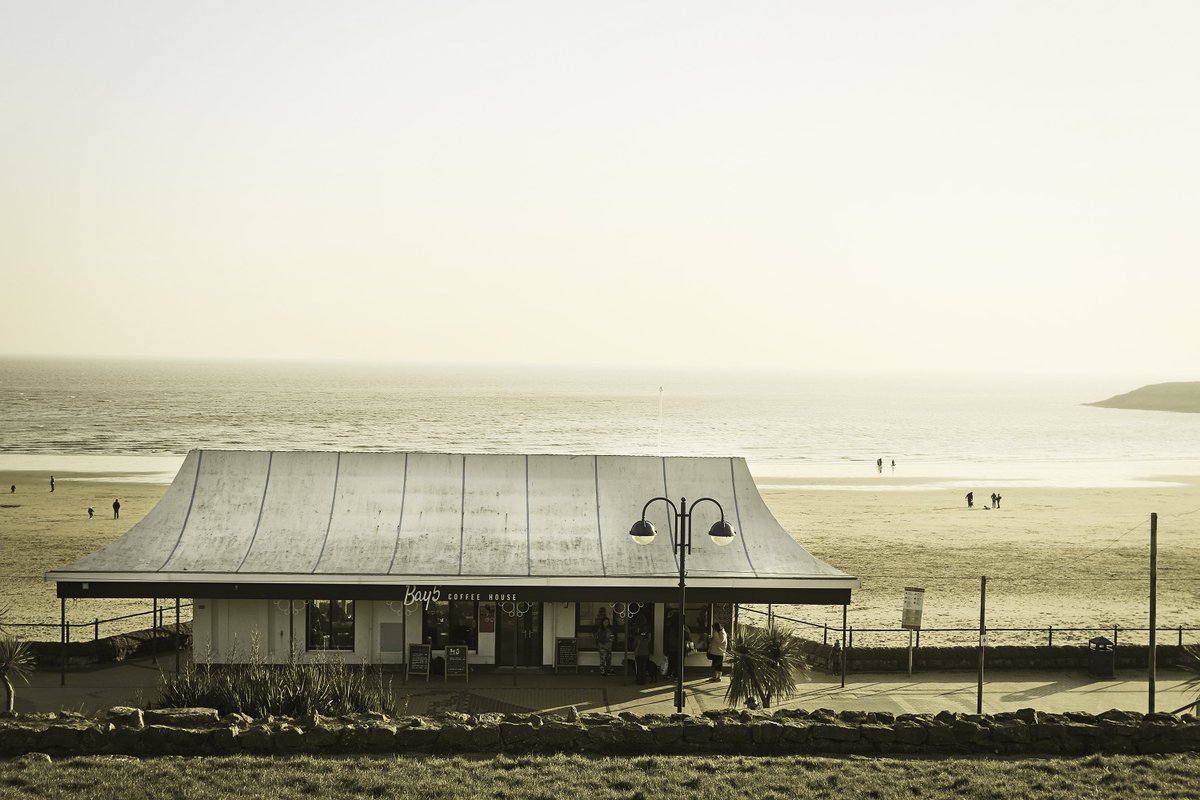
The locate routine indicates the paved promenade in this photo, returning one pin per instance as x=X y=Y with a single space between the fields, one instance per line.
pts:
x=491 y=690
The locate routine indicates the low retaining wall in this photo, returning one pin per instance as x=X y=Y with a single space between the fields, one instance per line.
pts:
x=1024 y=657
x=51 y=655
x=198 y=731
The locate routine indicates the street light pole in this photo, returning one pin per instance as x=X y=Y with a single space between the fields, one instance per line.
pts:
x=643 y=532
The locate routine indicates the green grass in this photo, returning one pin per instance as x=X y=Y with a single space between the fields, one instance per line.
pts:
x=558 y=776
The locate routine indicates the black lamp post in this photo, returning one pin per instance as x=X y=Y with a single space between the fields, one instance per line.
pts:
x=721 y=533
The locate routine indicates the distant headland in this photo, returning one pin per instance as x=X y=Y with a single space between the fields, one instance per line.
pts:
x=1178 y=396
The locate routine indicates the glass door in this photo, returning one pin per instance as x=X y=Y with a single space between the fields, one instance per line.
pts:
x=519 y=636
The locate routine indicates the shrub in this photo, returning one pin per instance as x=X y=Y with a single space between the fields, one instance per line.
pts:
x=763 y=664
x=16 y=660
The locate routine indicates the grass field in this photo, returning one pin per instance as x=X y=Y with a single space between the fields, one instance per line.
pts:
x=557 y=776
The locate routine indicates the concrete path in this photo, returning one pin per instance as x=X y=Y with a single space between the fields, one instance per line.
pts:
x=489 y=690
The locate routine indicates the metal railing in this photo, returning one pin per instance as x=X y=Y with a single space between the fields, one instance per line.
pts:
x=898 y=637
x=159 y=620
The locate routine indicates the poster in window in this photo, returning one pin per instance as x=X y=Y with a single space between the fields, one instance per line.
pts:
x=487 y=619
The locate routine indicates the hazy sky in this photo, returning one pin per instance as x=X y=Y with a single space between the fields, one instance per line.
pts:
x=798 y=185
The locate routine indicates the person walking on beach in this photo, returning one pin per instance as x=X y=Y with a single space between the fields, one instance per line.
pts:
x=998 y=501
x=993 y=499
x=52 y=483
x=116 y=509
x=12 y=489
x=717 y=643
x=91 y=512
x=604 y=642
x=879 y=464
x=970 y=499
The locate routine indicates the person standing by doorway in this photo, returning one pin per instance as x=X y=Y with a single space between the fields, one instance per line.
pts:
x=604 y=643
x=718 y=642
x=116 y=509
x=641 y=656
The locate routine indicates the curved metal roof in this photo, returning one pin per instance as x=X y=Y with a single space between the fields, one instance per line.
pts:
x=250 y=517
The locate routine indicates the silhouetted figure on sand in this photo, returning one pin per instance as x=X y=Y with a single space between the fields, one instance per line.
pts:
x=12 y=489
x=52 y=483
x=993 y=499
x=879 y=464
x=91 y=512
x=970 y=499
x=116 y=509
x=998 y=498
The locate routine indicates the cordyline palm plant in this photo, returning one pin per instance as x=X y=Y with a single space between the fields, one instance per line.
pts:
x=763 y=664
x=1191 y=660
x=16 y=660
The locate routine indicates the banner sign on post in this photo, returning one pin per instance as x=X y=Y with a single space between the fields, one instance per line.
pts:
x=914 y=603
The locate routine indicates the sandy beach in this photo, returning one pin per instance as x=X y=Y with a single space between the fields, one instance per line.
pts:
x=1067 y=557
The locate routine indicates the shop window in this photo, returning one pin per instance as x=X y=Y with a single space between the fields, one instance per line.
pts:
x=449 y=622
x=330 y=625
x=587 y=614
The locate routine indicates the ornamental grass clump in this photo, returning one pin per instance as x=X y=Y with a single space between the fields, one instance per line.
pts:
x=764 y=664
x=328 y=687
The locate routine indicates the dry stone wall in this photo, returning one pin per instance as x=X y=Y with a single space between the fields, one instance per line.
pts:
x=51 y=656
x=199 y=731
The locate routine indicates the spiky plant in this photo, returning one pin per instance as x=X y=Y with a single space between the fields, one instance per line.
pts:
x=764 y=664
x=1191 y=660
x=16 y=660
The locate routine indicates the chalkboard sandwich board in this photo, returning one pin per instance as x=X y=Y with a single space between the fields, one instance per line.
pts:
x=456 y=662
x=418 y=660
x=566 y=653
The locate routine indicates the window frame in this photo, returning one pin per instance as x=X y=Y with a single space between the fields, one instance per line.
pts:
x=332 y=626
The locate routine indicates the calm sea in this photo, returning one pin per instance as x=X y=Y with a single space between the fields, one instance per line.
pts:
x=143 y=416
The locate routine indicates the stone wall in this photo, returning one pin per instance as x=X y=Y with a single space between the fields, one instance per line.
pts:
x=50 y=655
x=941 y=659
x=199 y=731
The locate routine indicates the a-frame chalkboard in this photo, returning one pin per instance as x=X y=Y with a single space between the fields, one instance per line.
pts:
x=418 y=660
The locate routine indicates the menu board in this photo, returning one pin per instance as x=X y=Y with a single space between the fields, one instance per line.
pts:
x=418 y=660
x=456 y=661
x=566 y=653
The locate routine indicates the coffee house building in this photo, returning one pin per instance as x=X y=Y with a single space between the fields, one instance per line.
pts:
x=364 y=554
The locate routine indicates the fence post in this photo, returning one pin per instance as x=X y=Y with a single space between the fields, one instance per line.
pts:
x=918 y=637
x=826 y=639
x=1050 y=637
x=64 y=636
x=1181 y=636
x=96 y=629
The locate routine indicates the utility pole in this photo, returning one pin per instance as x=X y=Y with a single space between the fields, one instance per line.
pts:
x=982 y=641
x=1151 y=655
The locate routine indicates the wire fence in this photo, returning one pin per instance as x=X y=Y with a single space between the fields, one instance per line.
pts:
x=1048 y=636
x=161 y=616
